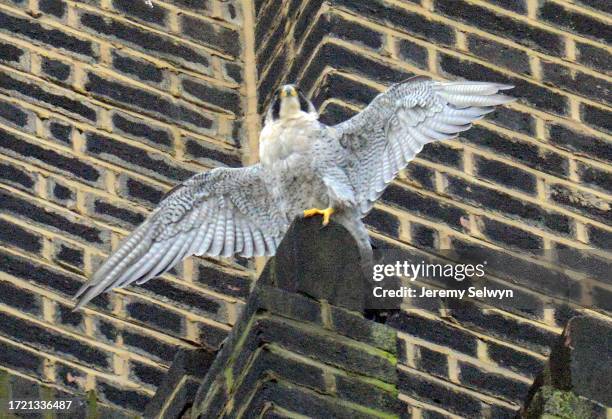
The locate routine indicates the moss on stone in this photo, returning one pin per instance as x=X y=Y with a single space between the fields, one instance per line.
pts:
x=5 y=394
x=228 y=374
x=48 y=394
x=373 y=412
x=92 y=405
x=386 y=337
x=4 y=386
x=388 y=387
x=552 y=403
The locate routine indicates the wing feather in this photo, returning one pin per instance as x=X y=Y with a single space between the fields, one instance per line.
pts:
x=248 y=241
x=180 y=255
x=199 y=238
x=230 y=235
x=210 y=233
x=168 y=255
x=219 y=235
x=258 y=243
x=239 y=245
x=270 y=245
x=144 y=265
x=399 y=122
x=220 y=212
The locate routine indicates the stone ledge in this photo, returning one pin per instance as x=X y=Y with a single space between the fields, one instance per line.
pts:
x=575 y=383
x=301 y=343
x=176 y=392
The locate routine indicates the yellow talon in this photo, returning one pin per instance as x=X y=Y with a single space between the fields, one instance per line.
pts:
x=326 y=213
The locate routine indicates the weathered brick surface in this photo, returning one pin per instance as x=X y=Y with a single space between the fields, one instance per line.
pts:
x=533 y=176
x=103 y=108
x=295 y=347
x=105 y=105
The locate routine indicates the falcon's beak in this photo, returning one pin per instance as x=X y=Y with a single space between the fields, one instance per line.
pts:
x=288 y=91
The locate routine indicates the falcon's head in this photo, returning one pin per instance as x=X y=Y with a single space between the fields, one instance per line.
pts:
x=289 y=102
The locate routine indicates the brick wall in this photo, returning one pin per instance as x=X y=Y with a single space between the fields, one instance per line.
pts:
x=535 y=175
x=105 y=104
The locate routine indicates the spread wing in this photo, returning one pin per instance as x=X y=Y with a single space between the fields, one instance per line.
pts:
x=225 y=211
x=394 y=127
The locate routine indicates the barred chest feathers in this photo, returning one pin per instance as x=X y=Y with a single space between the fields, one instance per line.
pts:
x=285 y=143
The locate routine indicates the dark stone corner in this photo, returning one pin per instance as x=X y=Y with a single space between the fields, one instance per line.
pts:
x=576 y=380
x=175 y=395
x=321 y=263
x=301 y=344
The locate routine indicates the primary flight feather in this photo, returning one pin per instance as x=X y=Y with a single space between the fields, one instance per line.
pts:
x=306 y=168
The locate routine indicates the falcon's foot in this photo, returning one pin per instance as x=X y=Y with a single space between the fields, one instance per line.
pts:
x=326 y=213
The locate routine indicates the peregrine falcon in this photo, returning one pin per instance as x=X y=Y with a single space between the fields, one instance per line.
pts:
x=306 y=169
